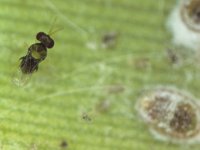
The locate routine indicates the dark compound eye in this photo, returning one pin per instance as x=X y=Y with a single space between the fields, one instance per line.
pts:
x=45 y=39
x=40 y=35
x=49 y=43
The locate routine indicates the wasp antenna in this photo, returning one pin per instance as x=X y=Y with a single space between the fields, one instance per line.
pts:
x=56 y=30
x=52 y=24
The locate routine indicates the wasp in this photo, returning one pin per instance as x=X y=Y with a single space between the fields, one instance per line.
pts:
x=36 y=53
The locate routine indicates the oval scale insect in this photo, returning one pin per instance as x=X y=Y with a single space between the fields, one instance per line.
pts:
x=171 y=115
x=190 y=14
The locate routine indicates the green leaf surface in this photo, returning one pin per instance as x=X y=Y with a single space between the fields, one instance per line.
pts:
x=64 y=100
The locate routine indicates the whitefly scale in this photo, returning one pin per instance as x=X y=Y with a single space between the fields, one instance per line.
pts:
x=171 y=115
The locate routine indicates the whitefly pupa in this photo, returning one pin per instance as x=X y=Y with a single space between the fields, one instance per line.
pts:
x=184 y=24
x=190 y=14
x=171 y=115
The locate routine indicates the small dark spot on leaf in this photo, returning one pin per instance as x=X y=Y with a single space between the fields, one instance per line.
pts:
x=172 y=56
x=86 y=117
x=63 y=144
x=109 y=40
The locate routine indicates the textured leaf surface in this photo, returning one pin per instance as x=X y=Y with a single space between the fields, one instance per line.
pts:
x=78 y=74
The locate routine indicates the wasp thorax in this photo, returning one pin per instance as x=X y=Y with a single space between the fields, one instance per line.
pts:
x=171 y=114
x=190 y=13
x=45 y=39
x=38 y=51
